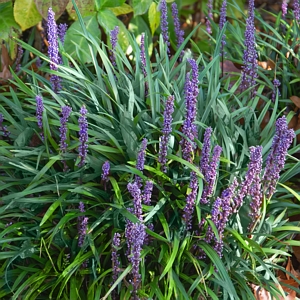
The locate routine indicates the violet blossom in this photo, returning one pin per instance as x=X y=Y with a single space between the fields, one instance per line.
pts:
x=66 y=111
x=113 y=40
x=211 y=175
x=222 y=24
x=284 y=8
x=143 y=55
x=137 y=199
x=282 y=140
x=61 y=32
x=205 y=153
x=141 y=161
x=252 y=174
x=83 y=136
x=164 y=23
x=147 y=193
x=210 y=16
x=18 y=58
x=191 y=200
x=53 y=49
x=105 y=171
x=276 y=84
x=82 y=225
x=249 y=72
x=189 y=128
x=167 y=129
x=296 y=9
x=39 y=111
x=115 y=259
x=4 y=129
x=179 y=34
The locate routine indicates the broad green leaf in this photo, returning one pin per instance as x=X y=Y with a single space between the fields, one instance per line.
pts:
x=75 y=39
x=58 y=6
x=8 y=26
x=154 y=17
x=121 y=10
x=109 y=3
x=26 y=13
x=86 y=8
x=140 y=6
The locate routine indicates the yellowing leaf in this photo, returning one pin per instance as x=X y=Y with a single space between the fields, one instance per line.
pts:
x=121 y=10
x=154 y=17
x=26 y=13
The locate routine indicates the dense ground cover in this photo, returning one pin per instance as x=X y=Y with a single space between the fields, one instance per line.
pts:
x=149 y=167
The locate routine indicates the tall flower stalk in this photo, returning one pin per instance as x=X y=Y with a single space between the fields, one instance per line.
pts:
x=53 y=49
x=83 y=136
x=221 y=25
x=189 y=128
x=164 y=24
x=210 y=16
x=143 y=61
x=249 y=72
x=113 y=40
x=167 y=129
x=115 y=258
x=39 y=111
x=141 y=161
x=178 y=32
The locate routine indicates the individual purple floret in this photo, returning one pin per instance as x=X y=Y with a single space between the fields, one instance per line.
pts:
x=83 y=136
x=137 y=199
x=143 y=55
x=284 y=8
x=249 y=72
x=115 y=259
x=39 y=110
x=276 y=84
x=147 y=193
x=222 y=24
x=210 y=175
x=167 y=129
x=4 y=129
x=105 y=171
x=297 y=9
x=282 y=140
x=82 y=231
x=205 y=153
x=178 y=32
x=65 y=111
x=113 y=40
x=18 y=58
x=61 y=31
x=164 y=23
x=190 y=201
x=189 y=128
x=53 y=49
x=210 y=16
x=141 y=161
x=253 y=173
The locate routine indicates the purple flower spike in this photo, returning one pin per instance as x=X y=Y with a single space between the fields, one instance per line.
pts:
x=284 y=8
x=190 y=201
x=164 y=24
x=250 y=55
x=143 y=55
x=5 y=132
x=66 y=111
x=167 y=129
x=210 y=16
x=252 y=177
x=276 y=84
x=83 y=136
x=189 y=128
x=113 y=40
x=115 y=259
x=105 y=171
x=39 y=110
x=82 y=231
x=141 y=161
x=297 y=9
x=211 y=175
x=19 y=57
x=53 y=49
x=282 y=140
x=62 y=29
x=137 y=199
x=205 y=153
x=221 y=25
x=178 y=32
x=147 y=192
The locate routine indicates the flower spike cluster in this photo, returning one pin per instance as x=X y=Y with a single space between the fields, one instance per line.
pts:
x=276 y=84
x=250 y=55
x=221 y=25
x=39 y=110
x=178 y=32
x=189 y=128
x=116 y=242
x=164 y=23
x=282 y=140
x=53 y=49
x=284 y=8
x=83 y=136
x=4 y=129
x=167 y=129
x=143 y=61
x=141 y=161
x=297 y=10
x=210 y=16
x=82 y=225
x=65 y=111
x=113 y=40
x=105 y=171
